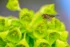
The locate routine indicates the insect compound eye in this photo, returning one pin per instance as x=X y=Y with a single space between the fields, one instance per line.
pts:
x=44 y=15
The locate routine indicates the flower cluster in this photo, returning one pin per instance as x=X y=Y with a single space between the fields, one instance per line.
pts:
x=31 y=29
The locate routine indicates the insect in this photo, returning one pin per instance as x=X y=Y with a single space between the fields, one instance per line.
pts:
x=47 y=16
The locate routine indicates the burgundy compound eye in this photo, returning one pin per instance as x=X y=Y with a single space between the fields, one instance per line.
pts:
x=44 y=16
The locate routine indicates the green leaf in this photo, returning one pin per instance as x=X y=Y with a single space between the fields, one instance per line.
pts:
x=63 y=35
x=41 y=43
x=40 y=31
x=35 y=21
x=2 y=42
x=10 y=45
x=4 y=24
x=53 y=35
x=23 y=42
x=48 y=9
x=13 y=5
x=60 y=43
x=15 y=23
x=3 y=34
x=25 y=16
x=14 y=35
